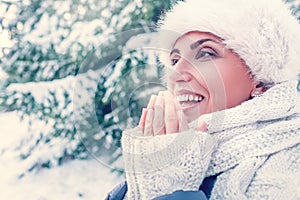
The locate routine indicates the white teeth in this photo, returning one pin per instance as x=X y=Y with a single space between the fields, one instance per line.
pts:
x=186 y=97
x=190 y=97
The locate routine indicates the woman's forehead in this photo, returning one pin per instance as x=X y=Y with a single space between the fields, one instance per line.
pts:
x=196 y=35
x=196 y=38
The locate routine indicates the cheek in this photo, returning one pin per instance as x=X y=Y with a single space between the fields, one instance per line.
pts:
x=166 y=78
x=210 y=77
x=228 y=83
x=237 y=83
x=207 y=75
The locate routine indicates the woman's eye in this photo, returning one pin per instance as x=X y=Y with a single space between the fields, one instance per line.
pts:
x=174 y=61
x=205 y=53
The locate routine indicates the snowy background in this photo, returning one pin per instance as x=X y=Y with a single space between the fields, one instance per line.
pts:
x=64 y=66
x=86 y=179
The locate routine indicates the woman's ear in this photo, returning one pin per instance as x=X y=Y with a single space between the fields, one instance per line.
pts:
x=257 y=90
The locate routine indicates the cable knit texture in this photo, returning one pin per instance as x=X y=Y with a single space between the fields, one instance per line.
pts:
x=165 y=163
x=254 y=147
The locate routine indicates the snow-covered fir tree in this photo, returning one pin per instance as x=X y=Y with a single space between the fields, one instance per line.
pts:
x=78 y=71
x=70 y=73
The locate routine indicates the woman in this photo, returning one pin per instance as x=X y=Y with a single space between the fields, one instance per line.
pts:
x=229 y=125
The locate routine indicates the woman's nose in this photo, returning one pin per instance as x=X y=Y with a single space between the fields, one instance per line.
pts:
x=181 y=72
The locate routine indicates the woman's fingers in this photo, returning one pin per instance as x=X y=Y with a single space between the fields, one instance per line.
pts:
x=148 y=130
x=163 y=115
x=182 y=121
x=171 y=120
x=143 y=119
x=158 y=120
x=151 y=102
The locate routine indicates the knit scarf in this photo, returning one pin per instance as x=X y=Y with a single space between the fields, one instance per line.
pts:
x=261 y=126
x=241 y=137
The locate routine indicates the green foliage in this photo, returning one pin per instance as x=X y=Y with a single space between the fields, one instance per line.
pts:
x=295 y=6
x=59 y=43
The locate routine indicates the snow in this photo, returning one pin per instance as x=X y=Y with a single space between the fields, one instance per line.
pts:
x=78 y=179
x=3 y=75
x=41 y=89
x=5 y=41
x=74 y=180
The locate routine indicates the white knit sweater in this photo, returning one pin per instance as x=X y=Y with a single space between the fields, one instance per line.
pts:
x=254 y=147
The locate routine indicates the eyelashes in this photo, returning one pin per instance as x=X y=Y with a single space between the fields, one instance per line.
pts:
x=204 y=54
x=174 y=61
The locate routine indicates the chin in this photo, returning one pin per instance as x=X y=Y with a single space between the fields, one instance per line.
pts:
x=192 y=115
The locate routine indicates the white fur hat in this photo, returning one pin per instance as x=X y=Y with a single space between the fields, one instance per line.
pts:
x=264 y=33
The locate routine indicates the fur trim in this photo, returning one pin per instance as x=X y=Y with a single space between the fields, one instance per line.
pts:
x=264 y=33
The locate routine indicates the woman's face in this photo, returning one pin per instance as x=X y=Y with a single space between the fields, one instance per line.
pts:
x=207 y=77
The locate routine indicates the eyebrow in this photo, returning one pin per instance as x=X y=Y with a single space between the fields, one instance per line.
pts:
x=195 y=45
x=199 y=42
x=175 y=51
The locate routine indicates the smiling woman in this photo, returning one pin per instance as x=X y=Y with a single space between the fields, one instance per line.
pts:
x=204 y=68
x=228 y=127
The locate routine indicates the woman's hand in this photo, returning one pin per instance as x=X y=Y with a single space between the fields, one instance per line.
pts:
x=163 y=115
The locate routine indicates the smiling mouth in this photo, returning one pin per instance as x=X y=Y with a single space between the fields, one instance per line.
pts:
x=189 y=100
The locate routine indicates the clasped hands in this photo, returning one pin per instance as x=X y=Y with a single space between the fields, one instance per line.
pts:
x=163 y=115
